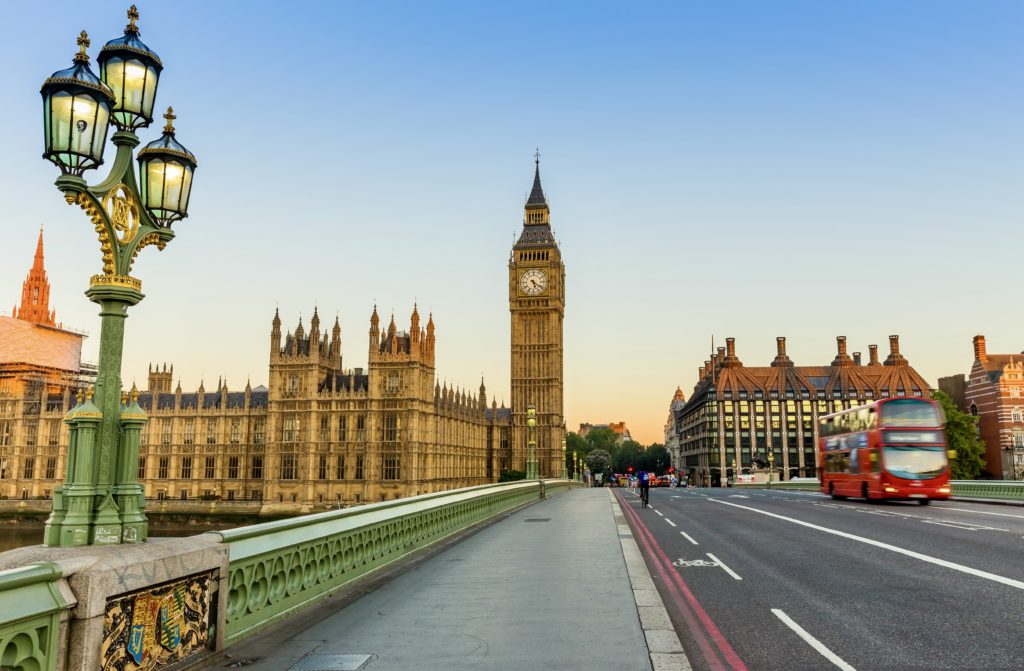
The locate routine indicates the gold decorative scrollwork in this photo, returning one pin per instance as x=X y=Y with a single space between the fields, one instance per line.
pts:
x=123 y=211
x=126 y=281
x=96 y=216
x=151 y=239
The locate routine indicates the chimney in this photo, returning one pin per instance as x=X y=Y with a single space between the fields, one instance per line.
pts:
x=781 y=359
x=780 y=346
x=856 y=358
x=842 y=358
x=721 y=353
x=979 y=349
x=841 y=344
x=730 y=347
x=873 y=355
x=894 y=357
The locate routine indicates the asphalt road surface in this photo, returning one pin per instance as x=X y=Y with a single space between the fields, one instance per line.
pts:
x=794 y=580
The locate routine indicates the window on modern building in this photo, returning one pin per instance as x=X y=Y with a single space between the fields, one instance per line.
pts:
x=232 y=468
x=211 y=468
x=29 y=468
x=321 y=471
x=186 y=468
x=51 y=468
x=190 y=431
x=161 y=470
x=236 y=430
x=142 y=469
x=289 y=467
x=256 y=471
x=391 y=469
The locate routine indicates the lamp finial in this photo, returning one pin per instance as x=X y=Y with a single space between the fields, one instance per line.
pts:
x=83 y=44
x=133 y=16
x=169 y=128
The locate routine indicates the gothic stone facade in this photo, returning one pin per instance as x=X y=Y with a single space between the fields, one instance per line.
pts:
x=322 y=433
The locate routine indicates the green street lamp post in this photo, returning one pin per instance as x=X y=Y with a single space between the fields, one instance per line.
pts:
x=575 y=467
x=101 y=501
x=771 y=465
x=531 y=423
x=565 y=467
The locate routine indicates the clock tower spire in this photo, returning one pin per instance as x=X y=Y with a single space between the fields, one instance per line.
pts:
x=537 y=307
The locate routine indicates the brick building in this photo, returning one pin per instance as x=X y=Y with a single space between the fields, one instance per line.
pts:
x=995 y=395
x=737 y=413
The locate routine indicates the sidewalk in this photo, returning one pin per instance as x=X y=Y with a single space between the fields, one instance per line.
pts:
x=546 y=588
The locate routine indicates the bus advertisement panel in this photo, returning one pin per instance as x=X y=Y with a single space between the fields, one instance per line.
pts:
x=894 y=448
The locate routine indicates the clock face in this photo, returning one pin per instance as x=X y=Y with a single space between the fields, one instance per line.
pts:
x=533 y=281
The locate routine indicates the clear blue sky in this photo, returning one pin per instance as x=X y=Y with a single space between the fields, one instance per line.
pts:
x=745 y=169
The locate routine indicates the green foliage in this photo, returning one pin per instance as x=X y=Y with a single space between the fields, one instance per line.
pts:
x=512 y=476
x=602 y=439
x=599 y=461
x=962 y=436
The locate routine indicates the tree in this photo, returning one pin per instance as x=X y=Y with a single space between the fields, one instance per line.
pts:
x=626 y=455
x=656 y=459
x=962 y=436
x=599 y=461
x=602 y=439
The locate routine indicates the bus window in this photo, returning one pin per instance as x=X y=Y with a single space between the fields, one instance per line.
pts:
x=909 y=412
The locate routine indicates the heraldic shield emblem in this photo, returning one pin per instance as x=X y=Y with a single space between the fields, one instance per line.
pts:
x=149 y=629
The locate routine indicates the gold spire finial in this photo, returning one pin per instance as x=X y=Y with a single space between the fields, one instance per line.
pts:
x=83 y=44
x=133 y=16
x=80 y=396
x=89 y=392
x=124 y=398
x=135 y=394
x=169 y=128
x=536 y=156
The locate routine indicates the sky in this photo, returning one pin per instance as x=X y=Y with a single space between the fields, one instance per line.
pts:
x=714 y=169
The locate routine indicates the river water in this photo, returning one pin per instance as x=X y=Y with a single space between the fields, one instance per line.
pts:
x=26 y=533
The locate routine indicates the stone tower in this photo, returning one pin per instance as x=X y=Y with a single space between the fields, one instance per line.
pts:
x=35 y=292
x=536 y=294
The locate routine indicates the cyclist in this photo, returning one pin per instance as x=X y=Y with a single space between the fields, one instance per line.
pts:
x=645 y=488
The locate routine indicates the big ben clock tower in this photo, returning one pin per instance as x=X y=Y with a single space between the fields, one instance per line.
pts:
x=536 y=297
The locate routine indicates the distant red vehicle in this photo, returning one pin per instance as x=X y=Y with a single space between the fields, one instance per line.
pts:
x=894 y=448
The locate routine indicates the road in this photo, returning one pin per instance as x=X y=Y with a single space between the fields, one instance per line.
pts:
x=780 y=580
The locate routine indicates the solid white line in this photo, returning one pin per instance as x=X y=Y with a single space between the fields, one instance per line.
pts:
x=885 y=546
x=981 y=512
x=813 y=642
x=724 y=567
x=687 y=537
x=670 y=521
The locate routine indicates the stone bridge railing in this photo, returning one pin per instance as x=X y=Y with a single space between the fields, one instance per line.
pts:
x=269 y=571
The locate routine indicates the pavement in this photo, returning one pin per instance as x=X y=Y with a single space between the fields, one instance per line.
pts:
x=559 y=584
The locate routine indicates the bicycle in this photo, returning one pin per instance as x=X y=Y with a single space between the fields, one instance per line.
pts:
x=645 y=497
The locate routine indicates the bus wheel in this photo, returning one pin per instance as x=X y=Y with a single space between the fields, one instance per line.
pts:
x=832 y=493
x=865 y=493
x=924 y=502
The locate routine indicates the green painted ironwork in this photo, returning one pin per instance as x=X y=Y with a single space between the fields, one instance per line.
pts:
x=30 y=611
x=988 y=489
x=278 y=568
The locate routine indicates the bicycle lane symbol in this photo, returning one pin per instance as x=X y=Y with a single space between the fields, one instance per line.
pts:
x=689 y=563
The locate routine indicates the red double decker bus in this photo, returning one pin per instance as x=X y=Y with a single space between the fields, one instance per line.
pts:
x=894 y=448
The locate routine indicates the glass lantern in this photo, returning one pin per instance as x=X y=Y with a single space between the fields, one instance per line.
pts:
x=76 y=111
x=166 y=168
x=132 y=71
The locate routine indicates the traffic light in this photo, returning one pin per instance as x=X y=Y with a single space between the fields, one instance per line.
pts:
x=629 y=470
x=671 y=469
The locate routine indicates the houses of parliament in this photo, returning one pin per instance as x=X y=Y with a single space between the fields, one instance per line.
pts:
x=318 y=432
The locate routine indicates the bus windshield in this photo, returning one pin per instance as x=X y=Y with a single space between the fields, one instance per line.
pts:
x=914 y=463
x=909 y=412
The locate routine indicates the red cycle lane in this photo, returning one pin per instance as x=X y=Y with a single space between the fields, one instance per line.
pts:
x=719 y=655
